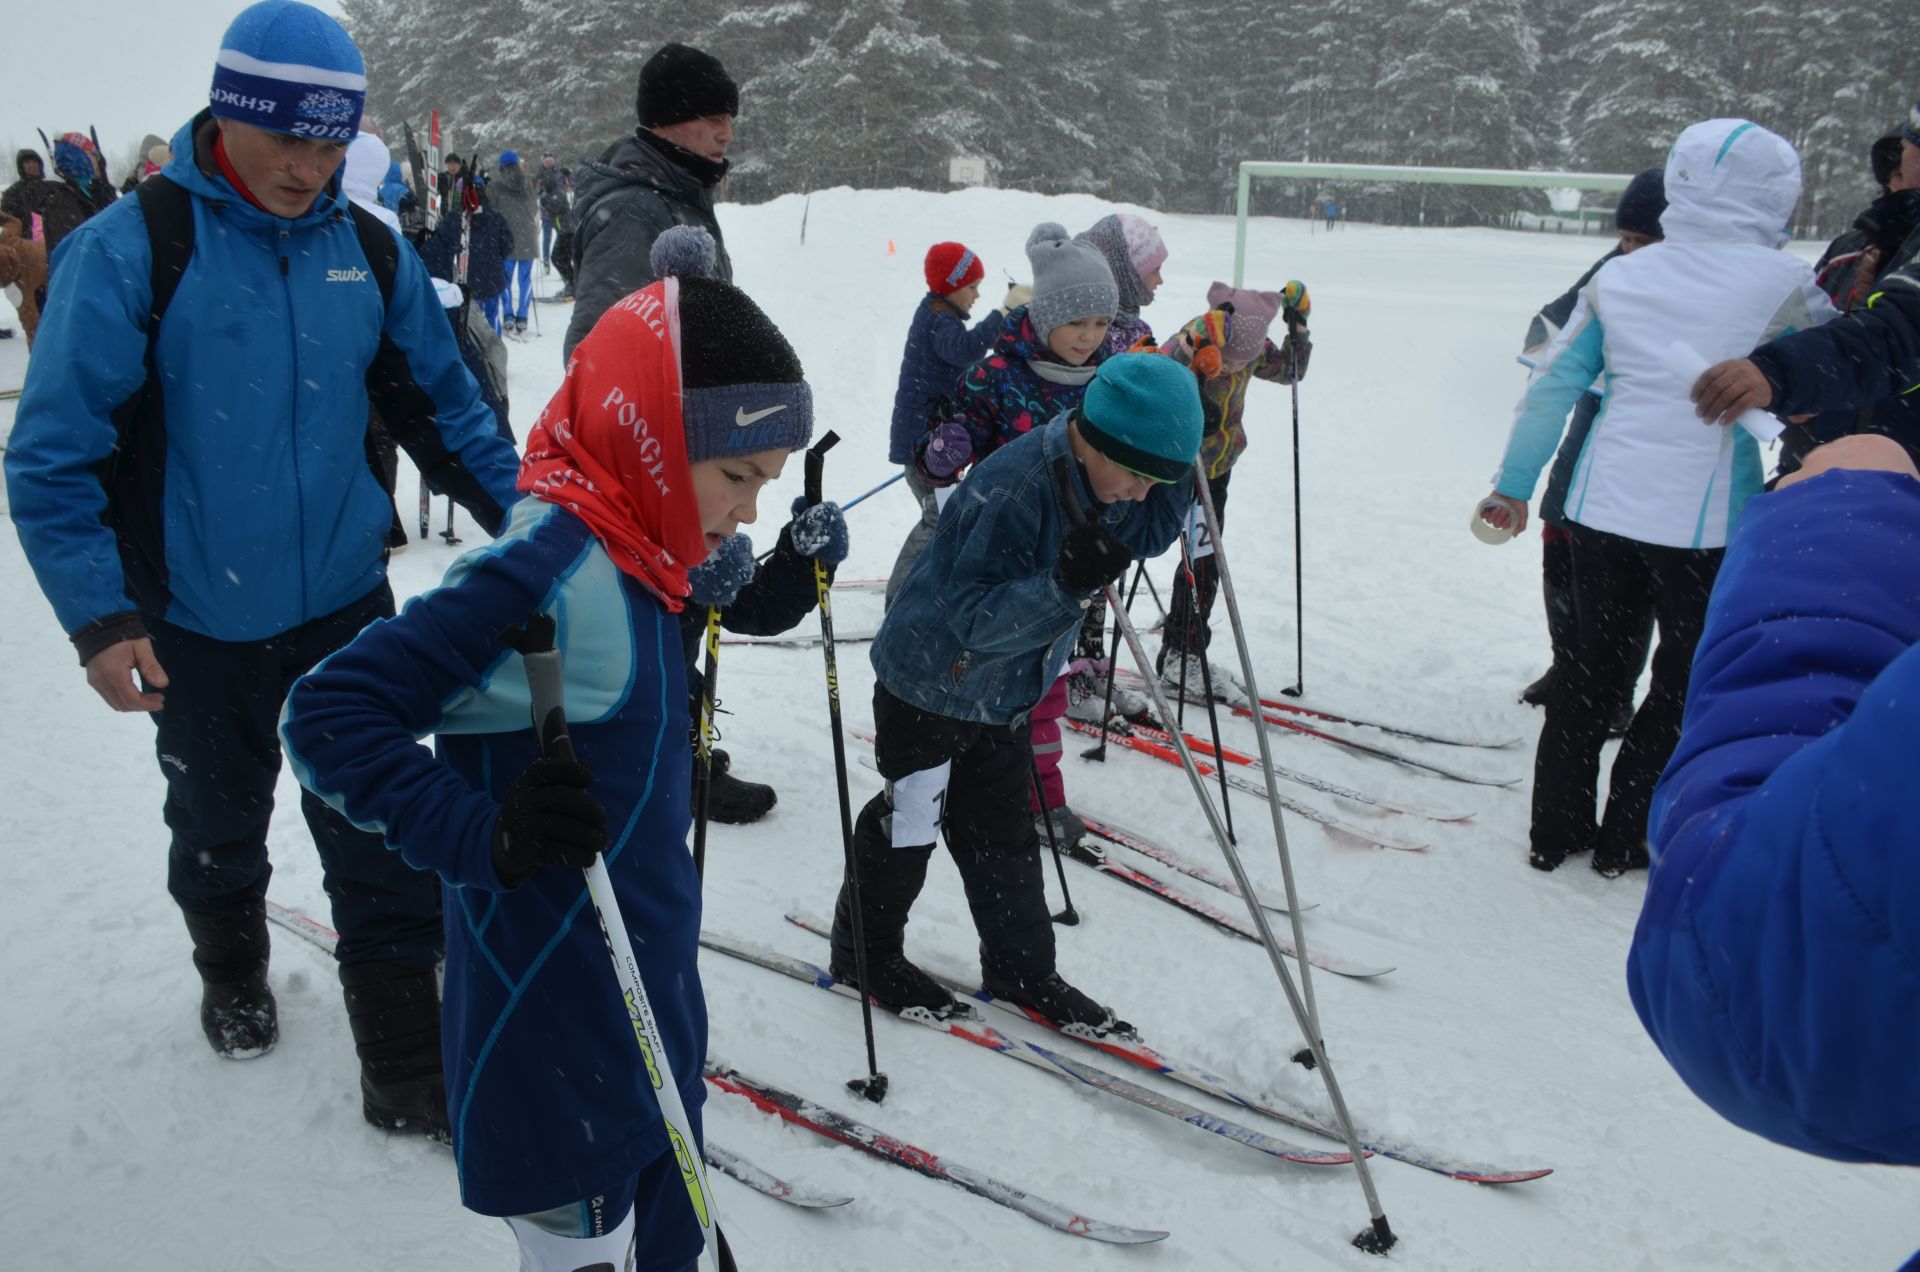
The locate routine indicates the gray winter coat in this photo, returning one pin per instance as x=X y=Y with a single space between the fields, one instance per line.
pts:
x=621 y=203
x=514 y=198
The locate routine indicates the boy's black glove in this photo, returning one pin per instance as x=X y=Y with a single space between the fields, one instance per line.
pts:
x=1090 y=558
x=548 y=819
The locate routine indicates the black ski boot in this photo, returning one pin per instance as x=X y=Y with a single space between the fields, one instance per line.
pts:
x=1053 y=1001
x=734 y=802
x=394 y=1012
x=1535 y=694
x=1610 y=861
x=890 y=881
x=237 y=1011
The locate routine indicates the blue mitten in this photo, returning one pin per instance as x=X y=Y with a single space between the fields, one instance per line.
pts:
x=727 y=569
x=819 y=532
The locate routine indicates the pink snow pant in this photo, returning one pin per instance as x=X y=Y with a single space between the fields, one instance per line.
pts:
x=1046 y=746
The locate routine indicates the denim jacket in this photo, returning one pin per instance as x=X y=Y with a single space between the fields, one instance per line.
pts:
x=982 y=627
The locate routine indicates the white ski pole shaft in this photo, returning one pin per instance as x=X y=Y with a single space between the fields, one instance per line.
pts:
x=1383 y=1237
x=1380 y=1236
x=544 y=681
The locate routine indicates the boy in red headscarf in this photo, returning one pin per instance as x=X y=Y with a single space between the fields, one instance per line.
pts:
x=638 y=468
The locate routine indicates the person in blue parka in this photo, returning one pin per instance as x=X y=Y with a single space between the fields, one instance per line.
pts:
x=637 y=469
x=1776 y=962
x=191 y=479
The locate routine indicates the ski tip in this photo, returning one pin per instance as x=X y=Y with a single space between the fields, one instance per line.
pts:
x=1501 y=1177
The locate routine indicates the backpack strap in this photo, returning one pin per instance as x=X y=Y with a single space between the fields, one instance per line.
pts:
x=168 y=210
x=379 y=246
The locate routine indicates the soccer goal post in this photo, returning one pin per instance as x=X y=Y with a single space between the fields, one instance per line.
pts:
x=1412 y=174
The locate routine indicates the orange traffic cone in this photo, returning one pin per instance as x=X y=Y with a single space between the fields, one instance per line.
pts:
x=889 y=247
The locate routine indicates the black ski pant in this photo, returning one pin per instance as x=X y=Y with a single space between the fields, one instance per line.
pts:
x=1614 y=578
x=1556 y=577
x=1191 y=610
x=987 y=818
x=219 y=748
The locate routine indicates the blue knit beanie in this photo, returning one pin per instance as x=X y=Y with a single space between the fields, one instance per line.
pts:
x=1641 y=204
x=1142 y=411
x=289 y=68
x=509 y=159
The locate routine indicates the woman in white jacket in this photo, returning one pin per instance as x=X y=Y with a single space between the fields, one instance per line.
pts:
x=1655 y=493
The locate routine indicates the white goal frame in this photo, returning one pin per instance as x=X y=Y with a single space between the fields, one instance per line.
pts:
x=1413 y=174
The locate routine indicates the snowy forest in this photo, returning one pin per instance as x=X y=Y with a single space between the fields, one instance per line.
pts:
x=1155 y=104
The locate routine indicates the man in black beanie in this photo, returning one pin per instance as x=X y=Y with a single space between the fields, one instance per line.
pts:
x=661 y=175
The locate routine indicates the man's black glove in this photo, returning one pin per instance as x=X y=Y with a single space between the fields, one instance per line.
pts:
x=1090 y=558
x=548 y=819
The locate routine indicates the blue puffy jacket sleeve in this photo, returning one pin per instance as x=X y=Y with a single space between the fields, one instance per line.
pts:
x=1777 y=958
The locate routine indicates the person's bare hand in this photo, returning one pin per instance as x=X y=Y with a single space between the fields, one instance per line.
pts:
x=111 y=673
x=1864 y=451
x=1727 y=388
x=1501 y=511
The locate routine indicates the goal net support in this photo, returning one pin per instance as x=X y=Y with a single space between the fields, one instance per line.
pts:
x=1413 y=174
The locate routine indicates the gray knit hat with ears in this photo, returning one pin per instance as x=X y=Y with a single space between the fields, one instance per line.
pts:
x=1071 y=280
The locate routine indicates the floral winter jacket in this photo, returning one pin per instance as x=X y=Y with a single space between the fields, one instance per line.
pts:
x=1003 y=396
x=1224 y=399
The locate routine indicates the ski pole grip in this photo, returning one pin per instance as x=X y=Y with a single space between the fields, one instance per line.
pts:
x=534 y=644
x=817 y=464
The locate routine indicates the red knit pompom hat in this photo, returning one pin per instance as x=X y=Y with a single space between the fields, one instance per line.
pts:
x=950 y=266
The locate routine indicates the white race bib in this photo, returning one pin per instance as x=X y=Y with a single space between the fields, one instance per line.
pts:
x=919 y=802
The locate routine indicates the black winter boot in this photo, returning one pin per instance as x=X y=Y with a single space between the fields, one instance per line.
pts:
x=1051 y=1000
x=890 y=881
x=394 y=1012
x=734 y=802
x=237 y=1011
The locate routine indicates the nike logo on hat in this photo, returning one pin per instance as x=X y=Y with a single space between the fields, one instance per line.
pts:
x=741 y=418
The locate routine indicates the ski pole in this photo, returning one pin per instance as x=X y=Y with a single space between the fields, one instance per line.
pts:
x=426 y=507
x=106 y=177
x=1068 y=916
x=865 y=494
x=1099 y=753
x=874 y=1085
x=545 y=682
x=703 y=780
x=1299 y=685
x=1379 y=1237
x=448 y=533
x=1206 y=681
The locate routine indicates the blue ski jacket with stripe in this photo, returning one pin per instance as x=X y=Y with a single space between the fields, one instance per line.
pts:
x=231 y=491
x=546 y=1091
x=1777 y=958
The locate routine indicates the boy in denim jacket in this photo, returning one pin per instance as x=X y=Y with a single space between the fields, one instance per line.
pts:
x=979 y=632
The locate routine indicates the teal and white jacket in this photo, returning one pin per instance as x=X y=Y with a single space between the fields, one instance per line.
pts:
x=1648 y=323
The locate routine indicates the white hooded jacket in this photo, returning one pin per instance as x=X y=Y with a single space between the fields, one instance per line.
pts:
x=1649 y=322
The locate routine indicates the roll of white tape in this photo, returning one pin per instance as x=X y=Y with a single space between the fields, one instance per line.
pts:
x=1484 y=531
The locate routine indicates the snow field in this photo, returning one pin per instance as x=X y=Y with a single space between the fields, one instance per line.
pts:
x=1504 y=1034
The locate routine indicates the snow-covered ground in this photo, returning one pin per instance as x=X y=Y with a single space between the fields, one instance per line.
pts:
x=1505 y=1033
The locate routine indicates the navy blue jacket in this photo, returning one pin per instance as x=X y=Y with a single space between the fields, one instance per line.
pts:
x=940 y=347
x=240 y=488
x=1863 y=357
x=545 y=1087
x=488 y=247
x=1777 y=958
x=981 y=627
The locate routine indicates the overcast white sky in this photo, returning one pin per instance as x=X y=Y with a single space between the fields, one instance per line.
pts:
x=128 y=67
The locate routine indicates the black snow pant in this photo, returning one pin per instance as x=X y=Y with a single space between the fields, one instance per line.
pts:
x=1614 y=579
x=1188 y=615
x=987 y=816
x=1563 y=628
x=219 y=748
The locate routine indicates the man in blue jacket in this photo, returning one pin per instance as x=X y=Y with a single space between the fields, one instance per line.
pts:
x=1775 y=961
x=190 y=477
